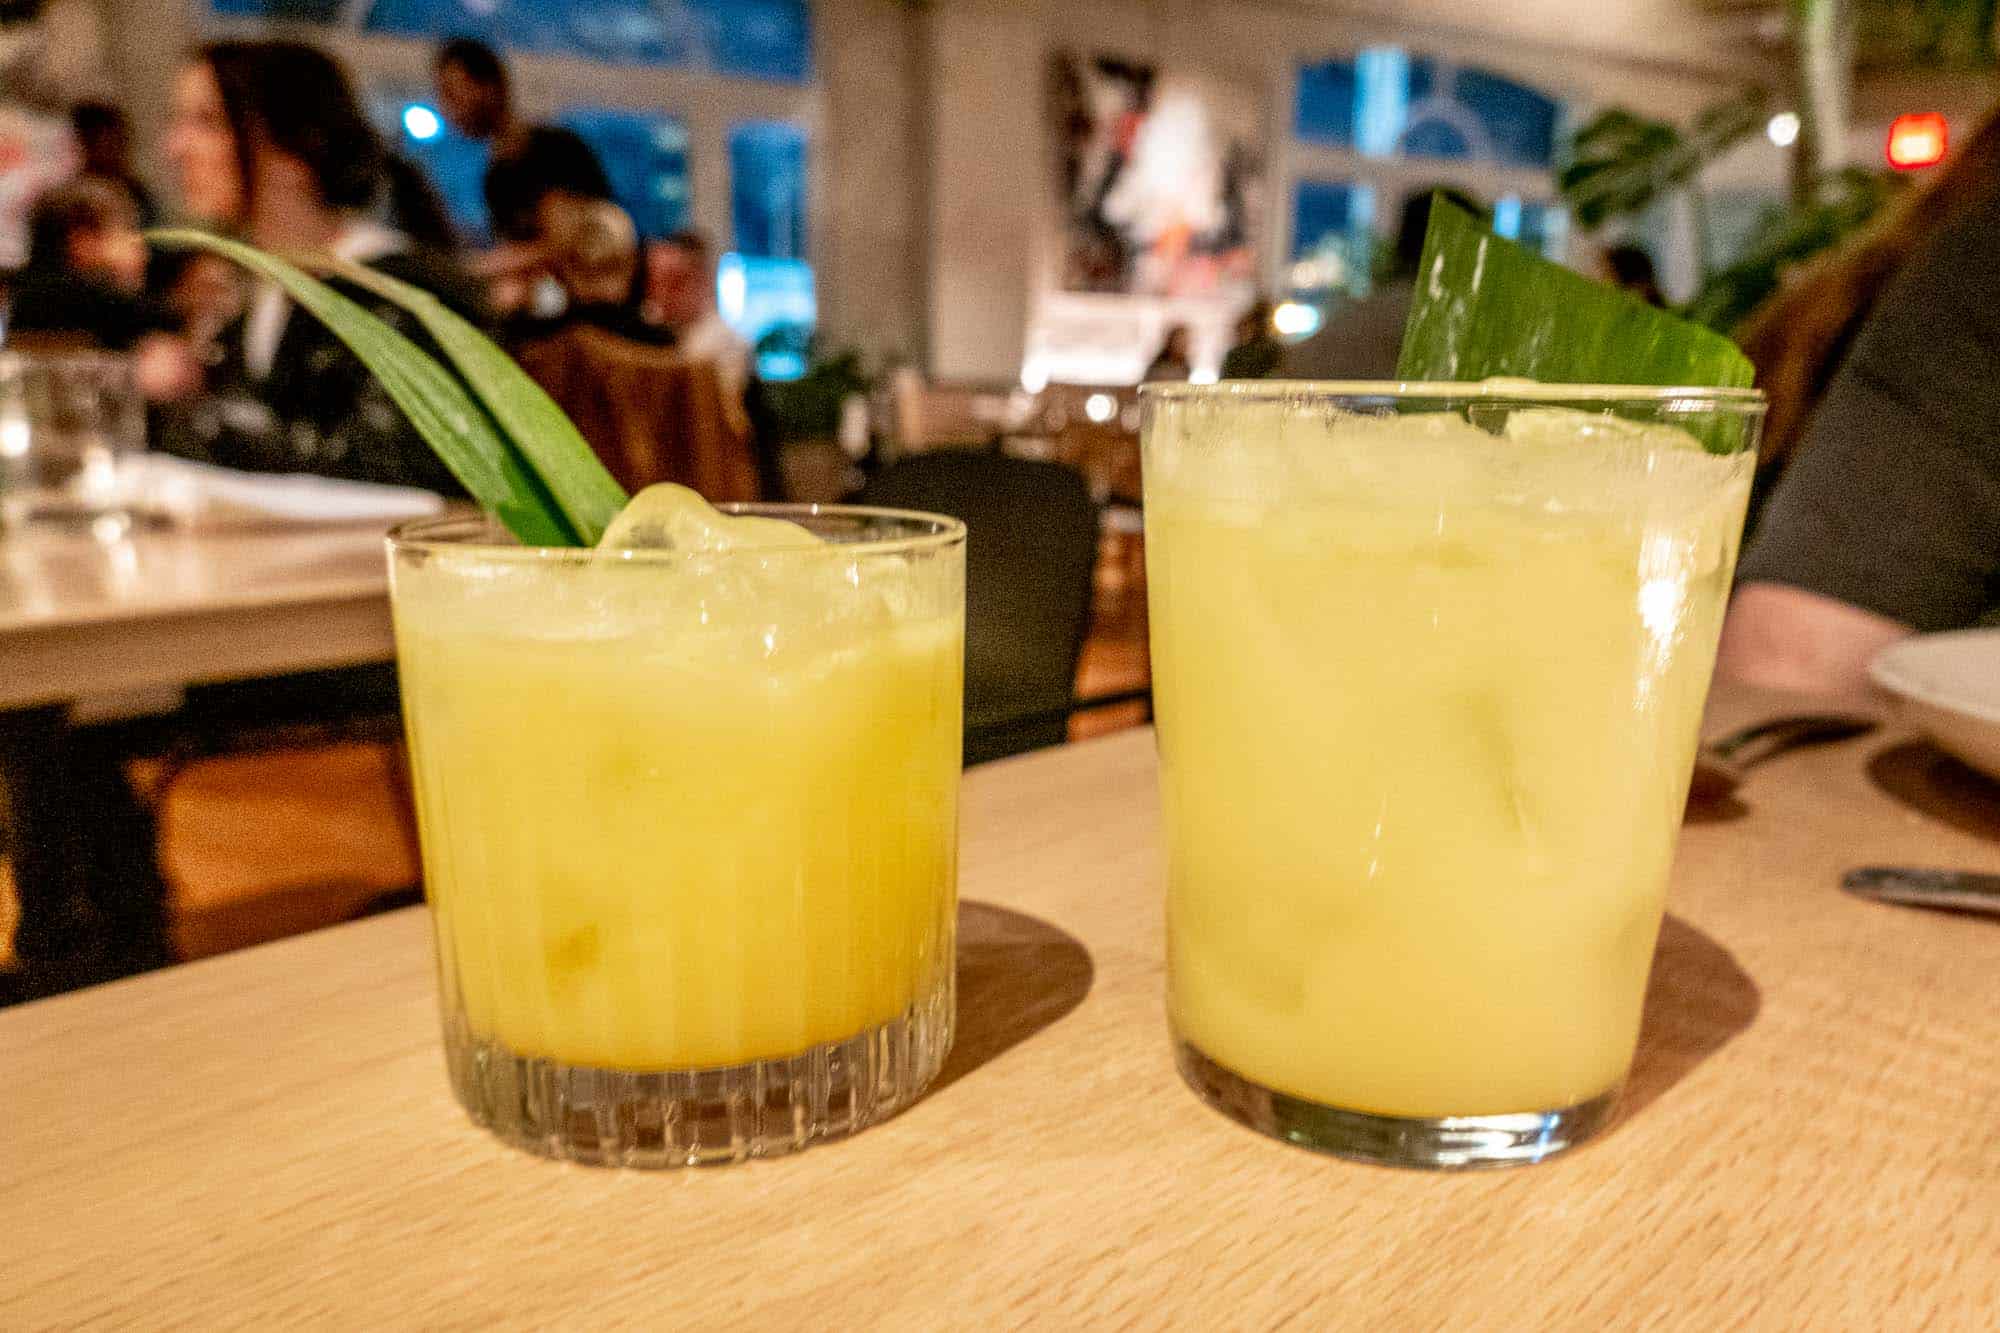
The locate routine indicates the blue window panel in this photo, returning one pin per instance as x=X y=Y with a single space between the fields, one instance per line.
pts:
x=1437 y=138
x=1540 y=227
x=1363 y=104
x=1387 y=102
x=1427 y=77
x=759 y=39
x=1333 y=239
x=768 y=190
x=1327 y=208
x=1520 y=123
x=1545 y=227
x=441 y=18
x=772 y=306
x=295 y=11
x=617 y=31
x=764 y=286
x=1324 y=110
x=646 y=158
x=1384 y=84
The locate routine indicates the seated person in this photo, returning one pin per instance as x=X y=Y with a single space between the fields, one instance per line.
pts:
x=1362 y=340
x=650 y=410
x=680 y=298
x=1256 y=354
x=83 y=289
x=1888 y=520
x=86 y=270
x=270 y=143
x=1174 y=361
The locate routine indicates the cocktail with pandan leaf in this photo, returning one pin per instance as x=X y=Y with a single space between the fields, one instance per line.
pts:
x=686 y=780
x=1429 y=662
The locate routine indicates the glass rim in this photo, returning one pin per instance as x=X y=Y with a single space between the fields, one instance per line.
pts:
x=1494 y=390
x=463 y=532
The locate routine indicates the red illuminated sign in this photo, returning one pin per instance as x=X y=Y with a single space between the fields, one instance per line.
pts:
x=1916 y=140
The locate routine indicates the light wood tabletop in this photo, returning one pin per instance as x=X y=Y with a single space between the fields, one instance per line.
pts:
x=1809 y=1140
x=80 y=617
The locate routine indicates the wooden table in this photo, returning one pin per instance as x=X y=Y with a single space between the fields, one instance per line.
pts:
x=1811 y=1138
x=80 y=618
x=87 y=625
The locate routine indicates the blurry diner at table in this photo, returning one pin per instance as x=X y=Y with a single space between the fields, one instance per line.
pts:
x=1884 y=520
x=269 y=140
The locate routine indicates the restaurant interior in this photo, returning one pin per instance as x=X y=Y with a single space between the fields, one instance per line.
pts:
x=991 y=261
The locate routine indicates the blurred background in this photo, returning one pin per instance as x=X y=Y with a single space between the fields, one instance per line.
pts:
x=923 y=183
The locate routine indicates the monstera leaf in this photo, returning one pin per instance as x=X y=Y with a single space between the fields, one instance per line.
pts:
x=1621 y=163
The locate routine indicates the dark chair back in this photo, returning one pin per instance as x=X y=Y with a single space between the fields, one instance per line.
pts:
x=1031 y=547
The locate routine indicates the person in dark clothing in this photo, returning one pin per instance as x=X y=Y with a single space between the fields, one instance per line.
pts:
x=1174 y=361
x=474 y=92
x=1802 y=332
x=86 y=270
x=532 y=164
x=1887 y=521
x=83 y=289
x=270 y=142
x=104 y=137
x=1363 y=339
x=414 y=207
x=529 y=162
x=1630 y=269
x=1256 y=353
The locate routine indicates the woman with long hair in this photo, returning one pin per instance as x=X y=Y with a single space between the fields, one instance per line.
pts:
x=270 y=144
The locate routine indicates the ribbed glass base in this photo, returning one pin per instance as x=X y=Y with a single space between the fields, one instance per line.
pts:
x=1447 y=1143
x=701 y=1117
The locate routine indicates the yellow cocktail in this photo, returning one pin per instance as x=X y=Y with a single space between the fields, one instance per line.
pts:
x=1429 y=673
x=689 y=827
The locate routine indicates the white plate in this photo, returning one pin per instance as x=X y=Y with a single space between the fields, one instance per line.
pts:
x=1948 y=686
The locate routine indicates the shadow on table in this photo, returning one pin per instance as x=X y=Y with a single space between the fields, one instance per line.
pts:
x=1016 y=976
x=1928 y=780
x=1697 y=1000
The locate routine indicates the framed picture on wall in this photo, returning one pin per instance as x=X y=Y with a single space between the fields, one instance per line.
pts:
x=1160 y=174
